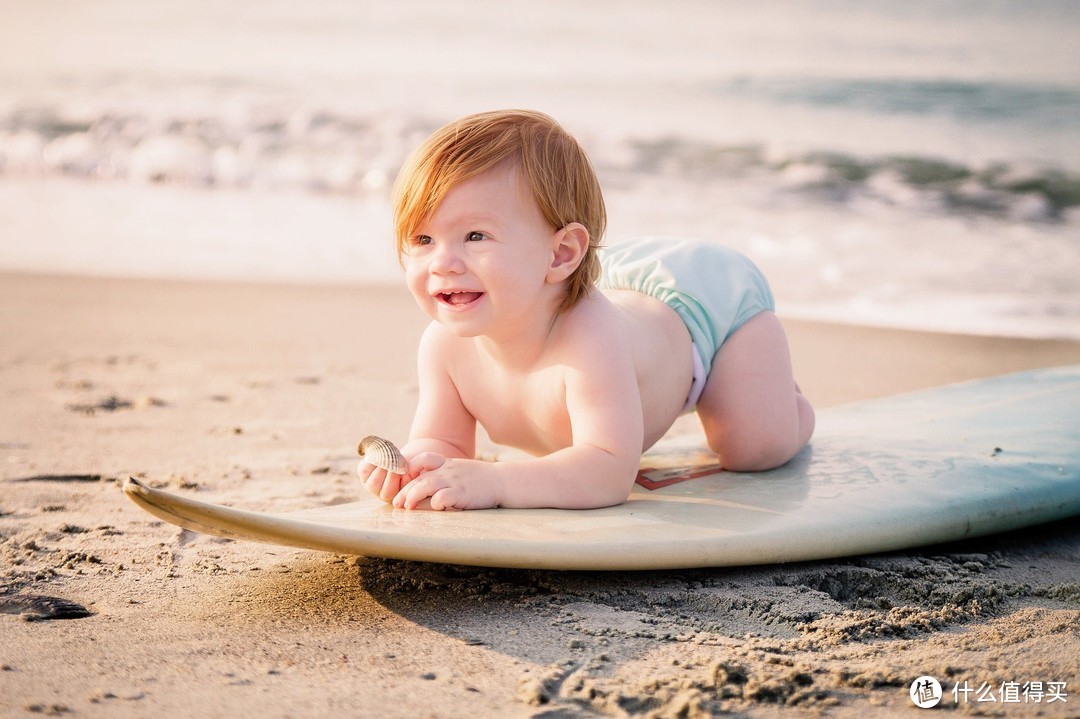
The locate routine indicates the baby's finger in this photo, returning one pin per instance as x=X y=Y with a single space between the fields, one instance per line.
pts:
x=416 y=491
x=374 y=481
x=425 y=462
x=390 y=487
x=445 y=499
x=400 y=497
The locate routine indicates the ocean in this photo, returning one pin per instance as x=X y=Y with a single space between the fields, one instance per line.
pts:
x=902 y=163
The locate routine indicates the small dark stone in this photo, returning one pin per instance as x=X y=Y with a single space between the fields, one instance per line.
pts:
x=39 y=607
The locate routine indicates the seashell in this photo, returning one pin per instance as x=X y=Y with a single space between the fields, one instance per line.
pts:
x=382 y=453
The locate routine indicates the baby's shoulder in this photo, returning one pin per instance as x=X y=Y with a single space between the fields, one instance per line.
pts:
x=439 y=342
x=593 y=321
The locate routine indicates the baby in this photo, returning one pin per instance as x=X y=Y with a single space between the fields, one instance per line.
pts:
x=579 y=356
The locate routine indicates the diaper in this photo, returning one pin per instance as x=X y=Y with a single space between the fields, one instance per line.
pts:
x=713 y=289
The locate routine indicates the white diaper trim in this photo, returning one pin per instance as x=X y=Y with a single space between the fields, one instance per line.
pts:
x=697 y=386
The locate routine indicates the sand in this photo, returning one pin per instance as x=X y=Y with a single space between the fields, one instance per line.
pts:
x=256 y=395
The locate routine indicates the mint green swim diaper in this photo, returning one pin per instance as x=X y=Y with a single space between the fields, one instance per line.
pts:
x=713 y=289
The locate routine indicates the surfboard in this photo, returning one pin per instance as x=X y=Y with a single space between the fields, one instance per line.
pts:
x=932 y=466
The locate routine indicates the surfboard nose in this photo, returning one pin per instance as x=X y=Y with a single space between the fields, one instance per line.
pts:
x=133 y=487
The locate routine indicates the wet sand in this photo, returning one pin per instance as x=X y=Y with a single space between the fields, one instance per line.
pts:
x=255 y=395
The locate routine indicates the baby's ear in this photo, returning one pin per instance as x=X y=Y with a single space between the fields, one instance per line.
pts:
x=568 y=250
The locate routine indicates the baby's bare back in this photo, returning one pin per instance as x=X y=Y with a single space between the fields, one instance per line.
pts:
x=662 y=357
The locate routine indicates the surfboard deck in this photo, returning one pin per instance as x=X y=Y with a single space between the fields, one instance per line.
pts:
x=933 y=466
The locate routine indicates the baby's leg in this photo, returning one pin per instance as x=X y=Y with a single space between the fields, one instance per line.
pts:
x=754 y=415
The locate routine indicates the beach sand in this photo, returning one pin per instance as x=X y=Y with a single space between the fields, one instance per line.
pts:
x=255 y=395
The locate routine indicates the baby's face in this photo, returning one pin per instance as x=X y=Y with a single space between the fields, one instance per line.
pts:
x=479 y=264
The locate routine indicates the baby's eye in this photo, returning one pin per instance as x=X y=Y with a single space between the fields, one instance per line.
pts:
x=421 y=240
x=475 y=236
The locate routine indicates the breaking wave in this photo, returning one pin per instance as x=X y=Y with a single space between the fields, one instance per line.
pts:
x=326 y=152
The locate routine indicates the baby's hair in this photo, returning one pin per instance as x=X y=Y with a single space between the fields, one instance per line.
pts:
x=553 y=165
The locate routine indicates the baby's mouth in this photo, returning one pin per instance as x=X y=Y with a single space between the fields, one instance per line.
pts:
x=459 y=298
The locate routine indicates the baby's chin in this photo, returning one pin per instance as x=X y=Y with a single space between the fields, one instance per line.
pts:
x=462 y=332
x=455 y=325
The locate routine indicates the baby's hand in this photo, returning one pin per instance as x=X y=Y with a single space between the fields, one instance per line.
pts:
x=383 y=483
x=450 y=484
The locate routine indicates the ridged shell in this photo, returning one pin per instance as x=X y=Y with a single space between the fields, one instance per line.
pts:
x=382 y=453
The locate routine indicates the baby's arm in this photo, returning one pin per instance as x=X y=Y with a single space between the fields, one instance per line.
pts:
x=442 y=427
x=598 y=469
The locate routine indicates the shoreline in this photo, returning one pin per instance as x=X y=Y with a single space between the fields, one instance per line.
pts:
x=254 y=395
x=891 y=360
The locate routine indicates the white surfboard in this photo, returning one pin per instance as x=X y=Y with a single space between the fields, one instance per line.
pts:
x=933 y=466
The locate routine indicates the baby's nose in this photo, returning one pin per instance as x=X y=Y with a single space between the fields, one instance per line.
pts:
x=446 y=259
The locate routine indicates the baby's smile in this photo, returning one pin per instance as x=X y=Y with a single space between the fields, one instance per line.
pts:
x=459 y=298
